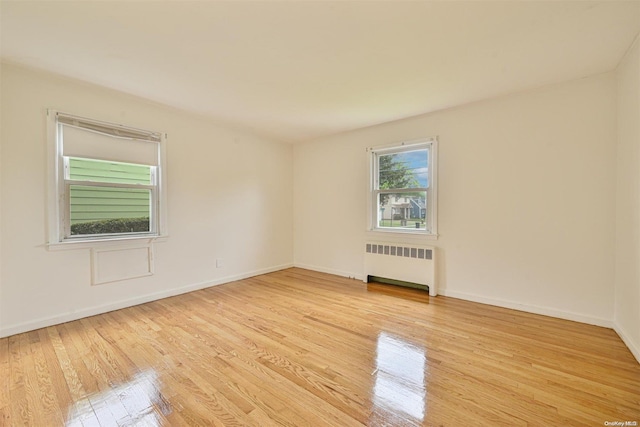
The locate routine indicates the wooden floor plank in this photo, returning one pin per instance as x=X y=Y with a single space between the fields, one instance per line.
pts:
x=302 y=348
x=5 y=376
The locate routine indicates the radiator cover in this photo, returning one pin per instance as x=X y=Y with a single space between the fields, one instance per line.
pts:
x=407 y=263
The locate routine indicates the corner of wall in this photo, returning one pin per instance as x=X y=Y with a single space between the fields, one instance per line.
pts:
x=626 y=321
x=633 y=347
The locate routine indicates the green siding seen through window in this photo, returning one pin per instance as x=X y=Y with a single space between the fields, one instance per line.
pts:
x=103 y=171
x=95 y=203
x=98 y=203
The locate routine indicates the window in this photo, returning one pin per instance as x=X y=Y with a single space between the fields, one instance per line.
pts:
x=105 y=181
x=403 y=188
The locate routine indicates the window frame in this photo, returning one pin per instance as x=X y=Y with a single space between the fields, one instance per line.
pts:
x=431 y=225
x=59 y=184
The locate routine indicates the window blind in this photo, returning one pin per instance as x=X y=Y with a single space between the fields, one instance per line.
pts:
x=97 y=140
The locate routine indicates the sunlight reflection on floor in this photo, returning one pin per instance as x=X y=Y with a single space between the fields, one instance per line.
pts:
x=399 y=382
x=136 y=402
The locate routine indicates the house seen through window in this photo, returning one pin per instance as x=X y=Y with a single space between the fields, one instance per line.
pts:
x=403 y=191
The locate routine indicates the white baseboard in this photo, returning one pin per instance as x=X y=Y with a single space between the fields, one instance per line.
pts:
x=567 y=315
x=92 y=311
x=626 y=339
x=347 y=274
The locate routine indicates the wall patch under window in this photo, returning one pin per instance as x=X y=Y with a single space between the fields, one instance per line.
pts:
x=120 y=263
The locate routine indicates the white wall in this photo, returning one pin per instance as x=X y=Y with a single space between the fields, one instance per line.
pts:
x=230 y=196
x=627 y=277
x=1 y=208
x=526 y=199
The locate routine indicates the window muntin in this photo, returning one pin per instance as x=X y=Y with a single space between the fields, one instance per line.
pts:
x=403 y=188
x=108 y=181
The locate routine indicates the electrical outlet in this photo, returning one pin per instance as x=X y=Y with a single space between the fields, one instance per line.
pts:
x=219 y=262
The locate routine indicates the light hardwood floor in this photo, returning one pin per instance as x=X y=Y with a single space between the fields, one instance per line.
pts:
x=301 y=348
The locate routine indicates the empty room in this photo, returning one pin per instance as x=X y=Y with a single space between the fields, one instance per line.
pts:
x=319 y=213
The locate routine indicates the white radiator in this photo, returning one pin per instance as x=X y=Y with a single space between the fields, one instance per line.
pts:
x=407 y=263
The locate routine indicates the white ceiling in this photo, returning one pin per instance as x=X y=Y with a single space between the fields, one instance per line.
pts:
x=299 y=70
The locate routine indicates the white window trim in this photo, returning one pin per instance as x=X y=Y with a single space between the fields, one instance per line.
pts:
x=432 y=202
x=57 y=205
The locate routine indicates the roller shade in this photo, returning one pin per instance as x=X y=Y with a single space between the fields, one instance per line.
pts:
x=95 y=140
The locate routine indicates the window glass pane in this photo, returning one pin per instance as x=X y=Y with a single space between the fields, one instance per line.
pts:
x=108 y=210
x=106 y=171
x=403 y=210
x=408 y=169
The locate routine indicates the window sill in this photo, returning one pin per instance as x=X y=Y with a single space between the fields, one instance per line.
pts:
x=115 y=241
x=407 y=236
